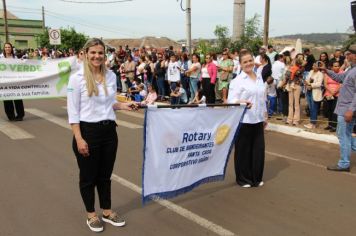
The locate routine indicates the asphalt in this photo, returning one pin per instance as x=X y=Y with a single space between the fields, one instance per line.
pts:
x=39 y=192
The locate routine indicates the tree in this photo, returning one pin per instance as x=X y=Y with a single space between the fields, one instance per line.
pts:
x=351 y=40
x=69 y=39
x=223 y=38
x=252 y=38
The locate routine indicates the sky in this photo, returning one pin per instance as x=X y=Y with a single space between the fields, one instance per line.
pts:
x=164 y=18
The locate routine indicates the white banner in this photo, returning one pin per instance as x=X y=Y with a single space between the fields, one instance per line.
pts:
x=30 y=79
x=186 y=147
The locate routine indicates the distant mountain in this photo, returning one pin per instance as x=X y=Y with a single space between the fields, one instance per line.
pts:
x=319 y=38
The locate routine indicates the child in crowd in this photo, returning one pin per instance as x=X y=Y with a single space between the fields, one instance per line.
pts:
x=151 y=97
x=178 y=95
x=271 y=92
x=199 y=98
x=173 y=71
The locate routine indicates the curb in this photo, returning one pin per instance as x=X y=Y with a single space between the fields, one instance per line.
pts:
x=298 y=132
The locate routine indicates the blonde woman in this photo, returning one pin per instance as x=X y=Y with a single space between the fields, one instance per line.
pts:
x=90 y=90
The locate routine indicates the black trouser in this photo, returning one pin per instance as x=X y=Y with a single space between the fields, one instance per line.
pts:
x=96 y=169
x=250 y=154
x=14 y=105
x=285 y=102
x=332 y=117
x=208 y=90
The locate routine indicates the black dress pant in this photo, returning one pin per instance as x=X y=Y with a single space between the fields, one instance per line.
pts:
x=96 y=169
x=208 y=90
x=14 y=105
x=332 y=117
x=285 y=102
x=250 y=154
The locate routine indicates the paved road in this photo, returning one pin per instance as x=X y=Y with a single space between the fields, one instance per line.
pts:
x=40 y=196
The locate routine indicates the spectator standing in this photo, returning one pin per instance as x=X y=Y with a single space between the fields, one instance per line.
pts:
x=271 y=53
x=160 y=72
x=337 y=57
x=173 y=71
x=208 y=79
x=194 y=75
x=313 y=85
x=271 y=95
x=266 y=68
x=278 y=68
x=331 y=95
x=185 y=64
x=324 y=58
x=129 y=68
x=225 y=68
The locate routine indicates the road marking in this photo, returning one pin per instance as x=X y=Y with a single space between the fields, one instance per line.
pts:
x=169 y=205
x=305 y=162
x=178 y=209
x=13 y=132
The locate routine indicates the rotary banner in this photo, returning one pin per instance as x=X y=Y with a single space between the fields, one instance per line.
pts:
x=186 y=147
x=30 y=79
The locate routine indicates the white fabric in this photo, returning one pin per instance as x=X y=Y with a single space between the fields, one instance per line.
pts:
x=176 y=163
x=173 y=72
x=81 y=107
x=204 y=72
x=278 y=68
x=243 y=89
x=271 y=89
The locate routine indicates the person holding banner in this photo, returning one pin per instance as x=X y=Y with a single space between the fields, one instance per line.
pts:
x=91 y=101
x=250 y=144
x=12 y=105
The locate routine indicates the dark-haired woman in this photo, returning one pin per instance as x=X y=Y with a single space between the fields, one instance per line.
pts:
x=12 y=106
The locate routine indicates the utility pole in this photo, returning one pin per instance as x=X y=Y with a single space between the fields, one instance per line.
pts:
x=43 y=19
x=5 y=22
x=238 y=19
x=266 y=23
x=189 y=26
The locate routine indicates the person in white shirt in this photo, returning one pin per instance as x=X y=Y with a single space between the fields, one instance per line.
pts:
x=91 y=101
x=173 y=71
x=249 y=145
x=271 y=95
x=278 y=69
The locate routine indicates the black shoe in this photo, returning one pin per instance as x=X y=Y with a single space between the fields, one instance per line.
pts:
x=327 y=128
x=18 y=119
x=338 y=168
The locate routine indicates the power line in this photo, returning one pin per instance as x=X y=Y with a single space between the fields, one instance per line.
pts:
x=105 y=2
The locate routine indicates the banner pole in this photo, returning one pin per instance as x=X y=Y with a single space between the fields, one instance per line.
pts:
x=193 y=105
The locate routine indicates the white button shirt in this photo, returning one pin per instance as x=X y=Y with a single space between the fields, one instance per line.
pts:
x=81 y=107
x=243 y=88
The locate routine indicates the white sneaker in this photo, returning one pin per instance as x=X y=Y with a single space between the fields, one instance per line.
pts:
x=261 y=184
x=246 y=186
x=95 y=224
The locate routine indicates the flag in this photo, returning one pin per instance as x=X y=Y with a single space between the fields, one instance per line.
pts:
x=186 y=147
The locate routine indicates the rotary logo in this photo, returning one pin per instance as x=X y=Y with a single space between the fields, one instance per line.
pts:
x=221 y=134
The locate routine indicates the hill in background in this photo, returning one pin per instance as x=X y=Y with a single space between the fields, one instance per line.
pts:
x=318 y=38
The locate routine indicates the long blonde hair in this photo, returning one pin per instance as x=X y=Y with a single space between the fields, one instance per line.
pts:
x=88 y=70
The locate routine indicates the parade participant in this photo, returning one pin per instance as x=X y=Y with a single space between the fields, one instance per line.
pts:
x=208 y=78
x=313 y=84
x=250 y=145
x=345 y=110
x=225 y=68
x=90 y=90
x=12 y=105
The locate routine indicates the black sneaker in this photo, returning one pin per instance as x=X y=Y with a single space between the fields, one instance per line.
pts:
x=95 y=224
x=114 y=219
x=338 y=168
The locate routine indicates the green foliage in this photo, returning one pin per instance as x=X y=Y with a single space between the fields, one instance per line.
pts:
x=223 y=38
x=204 y=47
x=351 y=40
x=69 y=39
x=252 y=38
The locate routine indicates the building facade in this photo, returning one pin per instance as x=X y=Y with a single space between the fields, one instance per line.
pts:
x=23 y=33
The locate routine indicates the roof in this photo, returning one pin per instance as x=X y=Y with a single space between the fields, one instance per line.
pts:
x=152 y=42
x=9 y=15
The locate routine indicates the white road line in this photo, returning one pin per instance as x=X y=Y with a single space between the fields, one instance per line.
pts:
x=13 y=132
x=123 y=123
x=178 y=209
x=173 y=207
x=304 y=162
